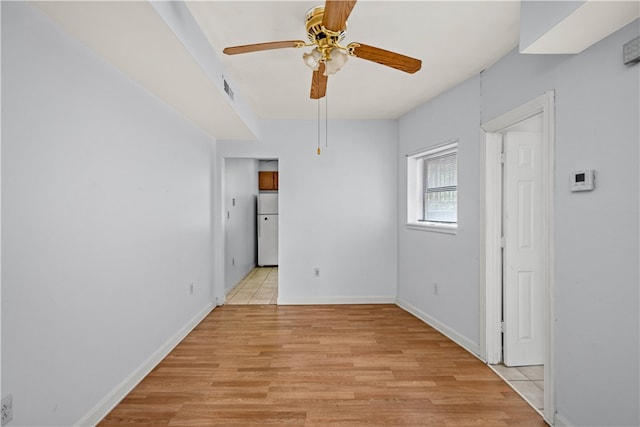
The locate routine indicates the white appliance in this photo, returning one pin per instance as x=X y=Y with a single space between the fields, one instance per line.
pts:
x=267 y=229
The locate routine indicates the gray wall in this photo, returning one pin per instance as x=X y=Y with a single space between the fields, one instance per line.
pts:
x=451 y=261
x=106 y=219
x=337 y=211
x=105 y=223
x=268 y=165
x=241 y=184
x=596 y=233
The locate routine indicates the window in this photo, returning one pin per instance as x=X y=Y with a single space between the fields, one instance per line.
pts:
x=432 y=202
x=440 y=180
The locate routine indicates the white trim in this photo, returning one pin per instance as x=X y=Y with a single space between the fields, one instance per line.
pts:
x=102 y=409
x=518 y=115
x=433 y=226
x=560 y=421
x=336 y=301
x=414 y=187
x=451 y=144
x=219 y=229
x=491 y=344
x=453 y=335
x=491 y=224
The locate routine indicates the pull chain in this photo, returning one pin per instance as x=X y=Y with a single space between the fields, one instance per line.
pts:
x=326 y=121
x=318 y=126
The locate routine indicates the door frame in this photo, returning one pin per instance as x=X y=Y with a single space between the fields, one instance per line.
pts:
x=218 y=220
x=491 y=233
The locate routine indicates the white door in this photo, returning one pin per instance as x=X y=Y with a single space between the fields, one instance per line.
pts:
x=523 y=287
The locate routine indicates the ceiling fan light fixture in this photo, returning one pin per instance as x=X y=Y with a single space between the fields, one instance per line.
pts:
x=336 y=61
x=312 y=59
x=326 y=28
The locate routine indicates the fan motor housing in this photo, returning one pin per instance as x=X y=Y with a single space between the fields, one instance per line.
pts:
x=319 y=35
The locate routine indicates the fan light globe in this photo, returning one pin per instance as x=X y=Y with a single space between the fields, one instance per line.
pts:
x=312 y=59
x=336 y=62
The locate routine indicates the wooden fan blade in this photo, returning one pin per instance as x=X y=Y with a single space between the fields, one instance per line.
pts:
x=319 y=83
x=388 y=58
x=336 y=13
x=234 y=50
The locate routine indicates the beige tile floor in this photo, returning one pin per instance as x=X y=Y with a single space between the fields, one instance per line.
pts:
x=527 y=380
x=260 y=286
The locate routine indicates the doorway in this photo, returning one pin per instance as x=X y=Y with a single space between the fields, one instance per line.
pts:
x=249 y=226
x=523 y=331
x=517 y=251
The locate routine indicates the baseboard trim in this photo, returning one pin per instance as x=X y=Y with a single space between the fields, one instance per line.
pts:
x=95 y=415
x=454 y=336
x=336 y=301
x=560 y=421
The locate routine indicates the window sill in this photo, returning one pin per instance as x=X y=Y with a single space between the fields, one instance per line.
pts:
x=433 y=227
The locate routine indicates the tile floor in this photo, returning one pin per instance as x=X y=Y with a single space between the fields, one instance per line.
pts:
x=527 y=380
x=260 y=286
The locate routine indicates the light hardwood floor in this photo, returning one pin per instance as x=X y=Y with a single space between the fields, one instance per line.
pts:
x=339 y=365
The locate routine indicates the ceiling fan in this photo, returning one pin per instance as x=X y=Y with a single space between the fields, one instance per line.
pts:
x=326 y=28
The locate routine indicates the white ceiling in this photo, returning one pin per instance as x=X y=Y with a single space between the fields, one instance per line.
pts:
x=454 y=40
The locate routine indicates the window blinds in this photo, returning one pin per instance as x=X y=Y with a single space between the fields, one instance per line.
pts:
x=440 y=188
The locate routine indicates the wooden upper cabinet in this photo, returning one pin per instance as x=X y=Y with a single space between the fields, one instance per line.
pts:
x=268 y=180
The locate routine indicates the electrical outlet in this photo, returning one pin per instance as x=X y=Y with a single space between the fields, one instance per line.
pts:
x=435 y=289
x=316 y=272
x=7 y=410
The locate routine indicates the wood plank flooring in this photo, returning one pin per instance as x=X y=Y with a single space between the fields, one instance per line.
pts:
x=338 y=365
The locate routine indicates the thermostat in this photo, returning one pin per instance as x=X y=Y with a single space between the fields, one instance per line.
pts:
x=583 y=180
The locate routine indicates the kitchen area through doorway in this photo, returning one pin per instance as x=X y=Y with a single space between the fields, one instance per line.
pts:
x=251 y=193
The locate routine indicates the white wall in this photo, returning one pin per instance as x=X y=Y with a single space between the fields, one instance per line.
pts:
x=178 y=16
x=240 y=183
x=268 y=165
x=337 y=211
x=451 y=261
x=105 y=223
x=106 y=213
x=596 y=233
